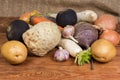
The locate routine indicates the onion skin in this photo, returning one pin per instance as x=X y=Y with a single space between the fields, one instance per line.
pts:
x=103 y=50
x=107 y=21
x=111 y=35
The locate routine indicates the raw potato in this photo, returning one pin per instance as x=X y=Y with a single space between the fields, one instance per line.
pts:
x=14 y=52
x=42 y=38
x=103 y=50
x=87 y=15
x=70 y=46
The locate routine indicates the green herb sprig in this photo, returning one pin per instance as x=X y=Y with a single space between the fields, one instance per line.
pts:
x=83 y=57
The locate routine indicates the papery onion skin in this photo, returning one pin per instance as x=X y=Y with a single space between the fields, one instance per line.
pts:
x=68 y=31
x=107 y=21
x=61 y=55
x=112 y=36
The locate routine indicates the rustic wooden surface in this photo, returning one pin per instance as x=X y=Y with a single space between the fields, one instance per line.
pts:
x=45 y=68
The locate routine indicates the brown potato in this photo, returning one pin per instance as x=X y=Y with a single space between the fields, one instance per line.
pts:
x=103 y=50
x=14 y=52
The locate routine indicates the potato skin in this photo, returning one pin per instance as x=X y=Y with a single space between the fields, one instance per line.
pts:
x=14 y=52
x=103 y=50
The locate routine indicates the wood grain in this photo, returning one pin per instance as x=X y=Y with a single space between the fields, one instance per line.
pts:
x=45 y=68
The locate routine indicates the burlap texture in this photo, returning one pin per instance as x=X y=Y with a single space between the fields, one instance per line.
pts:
x=14 y=8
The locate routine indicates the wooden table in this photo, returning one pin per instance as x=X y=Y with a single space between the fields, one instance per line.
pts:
x=45 y=68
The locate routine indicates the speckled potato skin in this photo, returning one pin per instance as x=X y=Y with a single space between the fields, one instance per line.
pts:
x=42 y=38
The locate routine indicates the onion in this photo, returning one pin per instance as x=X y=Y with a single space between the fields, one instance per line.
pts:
x=111 y=35
x=61 y=54
x=107 y=21
x=68 y=32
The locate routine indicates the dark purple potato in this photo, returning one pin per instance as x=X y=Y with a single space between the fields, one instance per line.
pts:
x=16 y=29
x=85 y=34
x=67 y=17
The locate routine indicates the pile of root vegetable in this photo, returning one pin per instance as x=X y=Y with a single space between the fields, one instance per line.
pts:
x=83 y=35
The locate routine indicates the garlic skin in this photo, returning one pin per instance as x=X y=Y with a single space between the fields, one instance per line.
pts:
x=61 y=55
x=68 y=32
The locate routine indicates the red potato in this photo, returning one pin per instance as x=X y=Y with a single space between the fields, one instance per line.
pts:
x=107 y=21
x=111 y=35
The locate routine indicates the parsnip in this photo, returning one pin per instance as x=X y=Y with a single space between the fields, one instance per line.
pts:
x=87 y=15
x=70 y=46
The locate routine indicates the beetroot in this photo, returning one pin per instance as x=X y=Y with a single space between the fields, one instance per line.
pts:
x=85 y=34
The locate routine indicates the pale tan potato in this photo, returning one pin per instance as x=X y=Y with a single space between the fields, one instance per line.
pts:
x=14 y=52
x=103 y=50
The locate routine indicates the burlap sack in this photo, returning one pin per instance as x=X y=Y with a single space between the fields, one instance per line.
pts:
x=14 y=8
x=17 y=7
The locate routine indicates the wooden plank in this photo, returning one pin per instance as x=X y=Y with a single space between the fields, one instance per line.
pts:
x=45 y=68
